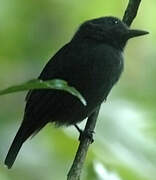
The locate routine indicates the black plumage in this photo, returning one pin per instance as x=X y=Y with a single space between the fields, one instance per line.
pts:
x=92 y=62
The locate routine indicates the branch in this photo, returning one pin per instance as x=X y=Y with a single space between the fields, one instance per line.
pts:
x=76 y=168
x=131 y=11
x=75 y=171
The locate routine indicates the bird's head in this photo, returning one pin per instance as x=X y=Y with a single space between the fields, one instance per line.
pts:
x=109 y=30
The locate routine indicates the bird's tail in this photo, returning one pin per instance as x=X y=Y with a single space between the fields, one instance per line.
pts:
x=21 y=136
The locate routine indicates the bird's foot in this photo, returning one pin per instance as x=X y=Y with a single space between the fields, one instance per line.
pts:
x=88 y=134
x=84 y=133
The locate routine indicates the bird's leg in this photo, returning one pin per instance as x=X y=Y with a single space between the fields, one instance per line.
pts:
x=77 y=127
x=88 y=134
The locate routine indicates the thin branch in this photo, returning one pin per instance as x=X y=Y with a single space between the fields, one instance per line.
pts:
x=131 y=11
x=75 y=171
x=76 y=168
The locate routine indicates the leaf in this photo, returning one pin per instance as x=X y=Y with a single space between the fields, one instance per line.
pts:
x=49 y=84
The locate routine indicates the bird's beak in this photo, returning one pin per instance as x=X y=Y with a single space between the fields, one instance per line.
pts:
x=134 y=33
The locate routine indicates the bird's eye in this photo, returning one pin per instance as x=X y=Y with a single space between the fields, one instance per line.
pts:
x=113 y=22
x=116 y=22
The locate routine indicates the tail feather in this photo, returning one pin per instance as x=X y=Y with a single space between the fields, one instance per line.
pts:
x=21 y=136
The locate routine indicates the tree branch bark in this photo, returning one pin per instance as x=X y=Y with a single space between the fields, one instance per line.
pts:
x=131 y=11
x=76 y=168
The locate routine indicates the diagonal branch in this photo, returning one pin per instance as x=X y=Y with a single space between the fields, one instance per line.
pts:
x=131 y=11
x=76 y=168
x=75 y=171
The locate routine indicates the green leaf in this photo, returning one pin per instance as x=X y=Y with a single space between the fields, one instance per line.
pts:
x=49 y=84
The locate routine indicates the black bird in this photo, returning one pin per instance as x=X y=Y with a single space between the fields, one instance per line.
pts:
x=92 y=62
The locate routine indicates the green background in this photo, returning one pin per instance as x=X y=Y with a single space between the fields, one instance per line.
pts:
x=125 y=144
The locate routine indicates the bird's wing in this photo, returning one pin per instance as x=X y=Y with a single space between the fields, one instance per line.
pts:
x=70 y=64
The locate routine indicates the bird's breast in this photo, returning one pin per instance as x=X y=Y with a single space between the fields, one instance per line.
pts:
x=105 y=71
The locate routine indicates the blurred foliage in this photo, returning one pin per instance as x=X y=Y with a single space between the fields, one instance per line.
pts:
x=125 y=146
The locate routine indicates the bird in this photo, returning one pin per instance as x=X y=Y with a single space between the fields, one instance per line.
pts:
x=92 y=61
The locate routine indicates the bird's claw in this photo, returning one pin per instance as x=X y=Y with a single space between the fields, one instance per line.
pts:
x=85 y=133
x=88 y=134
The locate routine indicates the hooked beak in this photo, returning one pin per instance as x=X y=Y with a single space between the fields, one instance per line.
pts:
x=134 y=33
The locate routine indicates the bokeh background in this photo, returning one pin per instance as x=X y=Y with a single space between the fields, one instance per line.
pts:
x=125 y=140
